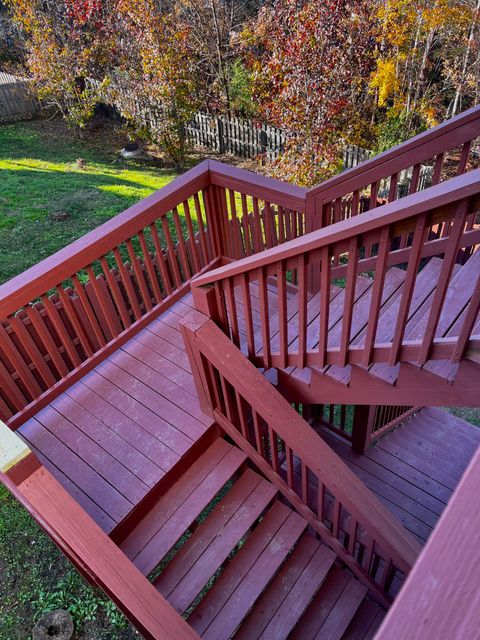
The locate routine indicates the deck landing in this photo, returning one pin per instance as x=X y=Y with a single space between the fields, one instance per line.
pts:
x=415 y=469
x=114 y=434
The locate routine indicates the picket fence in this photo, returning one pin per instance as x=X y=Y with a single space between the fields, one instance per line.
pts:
x=17 y=102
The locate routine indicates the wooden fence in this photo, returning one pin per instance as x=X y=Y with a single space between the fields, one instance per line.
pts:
x=243 y=138
x=16 y=99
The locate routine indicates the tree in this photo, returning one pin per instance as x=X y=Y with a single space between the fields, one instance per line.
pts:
x=311 y=63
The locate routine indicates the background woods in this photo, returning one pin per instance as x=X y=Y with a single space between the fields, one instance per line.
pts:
x=366 y=73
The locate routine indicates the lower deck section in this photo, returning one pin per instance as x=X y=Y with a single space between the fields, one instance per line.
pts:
x=415 y=469
x=113 y=435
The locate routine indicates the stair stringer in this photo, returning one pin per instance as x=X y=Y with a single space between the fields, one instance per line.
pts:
x=414 y=387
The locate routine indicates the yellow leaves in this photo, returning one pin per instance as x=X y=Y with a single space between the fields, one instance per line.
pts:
x=384 y=79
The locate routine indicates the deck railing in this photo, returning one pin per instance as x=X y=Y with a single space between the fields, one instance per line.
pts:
x=440 y=221
x=63 y=315
x=345 y=514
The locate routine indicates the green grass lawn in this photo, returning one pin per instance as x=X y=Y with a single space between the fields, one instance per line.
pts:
x=46 y=201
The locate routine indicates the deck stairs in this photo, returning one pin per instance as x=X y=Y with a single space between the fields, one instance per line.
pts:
x=237 y=562
x=175 y=404
x=436 y=379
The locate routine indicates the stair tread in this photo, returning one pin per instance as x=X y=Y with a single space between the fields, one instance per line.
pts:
x=332 y=609
x=214 y=539
x=282 y=604
x=365 y=622
x=234 y=593
x=160 y=529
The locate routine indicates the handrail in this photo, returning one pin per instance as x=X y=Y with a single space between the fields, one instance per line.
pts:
x=89 y=548
x=435 y=222
x=458 y=130
x=441 y=195
x=296 y=459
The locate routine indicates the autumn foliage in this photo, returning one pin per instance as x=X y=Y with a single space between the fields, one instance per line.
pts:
x=366 y=72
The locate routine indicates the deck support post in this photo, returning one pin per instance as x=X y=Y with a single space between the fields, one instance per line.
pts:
x=363 y=417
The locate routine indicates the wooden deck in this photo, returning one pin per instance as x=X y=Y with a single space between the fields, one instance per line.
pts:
x=415 y=469
x=113 y=435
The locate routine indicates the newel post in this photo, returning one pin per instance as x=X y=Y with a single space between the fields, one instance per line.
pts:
x=363 y=417
x=207 y=300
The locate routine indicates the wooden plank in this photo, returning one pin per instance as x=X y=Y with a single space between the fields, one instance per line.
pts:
x=343 y=611
x=214 y=540
x=365 y=622
x=87 y=479
x=149 y=419
x=234 y=593
x=135 y=434
x=291 y=591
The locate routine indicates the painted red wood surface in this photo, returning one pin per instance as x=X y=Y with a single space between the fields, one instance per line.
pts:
x=440 y=599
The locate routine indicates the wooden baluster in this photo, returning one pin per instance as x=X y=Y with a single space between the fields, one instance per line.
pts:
x=247 y=312
x=282 y=313
x=468 y=324
x=385 y=579
x=377 y=291
x=440 y=292
x=195 y=258
x=289 y=464
x=419 y=236
x=352 y=535
x=392 y=191
x=187 y=274
x=89 y=312
x=302 y=310
x=355 y=203
x=171 y=254
x=258 y=433
x=288 y=225
x=350 y=286
x=227 y=403
x=137 y=270
x=264 y=316
x=246 y=226
x=462 y=165
x=107 y=313
x=148 y=262
x=127 y=283
x=165 y=278
x=40 y=327
x=32 y=350
x=272 y=439
x=281 y=223
x=304 y=471
x=239 y=251
x=337 y=512
x=5 y=412
x=437 y=168
x=257 y=228
x=242 y=415
x=74 y=320
x=232 y=311
x=116 y=293
x=60 y=329
x=373 y=195
x=17 y=361
x=325 y=276
x=414 y=179
x=207 y=256
x=12 y=390
x=320 y=499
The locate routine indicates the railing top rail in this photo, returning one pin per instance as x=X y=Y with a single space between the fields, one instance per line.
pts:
x=313 y=451
x=254 y=184
x=53 y=270
x=420 y=147
x=441 y=195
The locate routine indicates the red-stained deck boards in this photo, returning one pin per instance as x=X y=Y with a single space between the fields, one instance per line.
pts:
x=280 y=607
x=365 y=622
x=212 y=542
x=234 y=593
x=113 y=435
x=162 y=527
x=322 y=604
